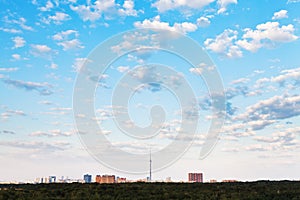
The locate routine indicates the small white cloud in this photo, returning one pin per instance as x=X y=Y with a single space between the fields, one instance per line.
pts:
x=155 y=23
x=165 y=5
x=71 y=44
x=53 y=66
x=197 y=71
x=16 y=56
x=280 y=15
x=58 y=18
x=223 y=5
x=11 y=69
x=12 y=30
x=40 y=50
x=224 y=45
x=123 y=69
x=266 y=33
x=203 y=22
x=128 y=8
x=19 y=42
x=94 y=11
x=47 y=7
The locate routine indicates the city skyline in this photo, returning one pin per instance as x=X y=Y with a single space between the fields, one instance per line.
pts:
x=252 y=45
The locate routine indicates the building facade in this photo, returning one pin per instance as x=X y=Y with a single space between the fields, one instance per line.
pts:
x=87 y=178
x=195 y=177
x=105 y=179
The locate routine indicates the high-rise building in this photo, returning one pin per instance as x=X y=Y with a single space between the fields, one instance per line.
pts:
x=196 y=177
x=105 y=179
x=87 y=178
x=52 y=179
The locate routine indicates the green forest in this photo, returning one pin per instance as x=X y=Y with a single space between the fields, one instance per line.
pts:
x=238 y=190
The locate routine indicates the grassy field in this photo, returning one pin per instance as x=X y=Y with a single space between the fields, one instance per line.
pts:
x=240 y=190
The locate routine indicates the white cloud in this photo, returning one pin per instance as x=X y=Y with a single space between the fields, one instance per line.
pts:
x=223 y=5
x=280 y=14
x=64 y=34
x=12 y=30
x=266 y=33
x=224 y=45
x=241 y=80
x=293 y=1
x=203 y=22
x=58 y=18
x=196 y=70
x=53 y=66
x=22 y=24
x=123 y=69
x=128 y=8
x=19 y=42
x=12 y=69
x=47 y=7
x=94 y=11
x=274 y=108
x=16 y=56
x=53 y=133
x=155 y=23
x=41 y=48
x=164 y=5
x=78 y=63
x=67 y=43
x=70 y=44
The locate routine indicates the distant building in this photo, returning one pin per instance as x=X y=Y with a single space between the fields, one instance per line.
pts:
x=229 y=181
x=213 y=181
x=87 y=178
x=195 y=177
x=52 y=179
x=168 y=180
x=121 y=180
x=105 y=179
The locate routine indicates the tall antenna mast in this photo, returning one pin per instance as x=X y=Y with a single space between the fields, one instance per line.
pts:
x=150 y=177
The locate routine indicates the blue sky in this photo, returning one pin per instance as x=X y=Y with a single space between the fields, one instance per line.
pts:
x=253 y=44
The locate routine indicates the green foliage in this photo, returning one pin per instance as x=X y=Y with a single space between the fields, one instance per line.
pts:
x=131 y=191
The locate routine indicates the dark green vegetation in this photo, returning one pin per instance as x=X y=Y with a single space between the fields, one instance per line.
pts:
x=249 y=190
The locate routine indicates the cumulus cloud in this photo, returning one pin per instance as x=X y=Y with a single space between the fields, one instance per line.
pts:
x=272 y=109
x=70 y=44
x=8 y=132
x=10 y=69
x=10 y=30
x=94 y=11
x=165 y=5
x=40 y=50
x=280 y=14
x=18 y=42
x=224 y=45
x=47 y=7
x=41 y=88
x=123 y=69
x=58 y=18
x=203 y=22
x=16 y=56
x=64 y=39
x=78 y=63
x=155 y=23
x=266 y=34
x=34 y=145
x=223 y=5
x=53 y=133
x=128 y=8
x=286 y=76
